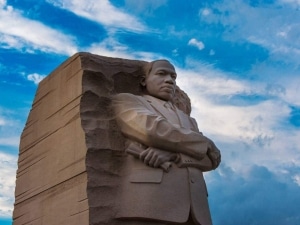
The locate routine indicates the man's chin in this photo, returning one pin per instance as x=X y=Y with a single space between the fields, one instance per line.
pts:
x=165 y=96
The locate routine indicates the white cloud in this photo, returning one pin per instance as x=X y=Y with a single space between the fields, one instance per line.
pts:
x=145 y=7
x=175 y=52
x=102 y=50
x=286 y=87
x=10 y=127
x=2 y=121
x=112 y=48
x=35 y=77
x=248 y=134
x=233 y=122
x=293 y=2
x=205 y=12
x=102 y=12
x=296 y=178
x=198 y=44
x=8 y=164
x=206 y=85
x=8 y=41
x=2 y=3
x=279 y=30
x=10 y=141
x=28 y=35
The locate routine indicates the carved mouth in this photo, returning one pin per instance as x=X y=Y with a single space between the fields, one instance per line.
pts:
x=168 y=87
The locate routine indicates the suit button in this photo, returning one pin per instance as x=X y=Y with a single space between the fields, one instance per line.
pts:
x=192 y=181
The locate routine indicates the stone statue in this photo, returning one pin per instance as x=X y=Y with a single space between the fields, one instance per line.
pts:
x=167 y=154
x=72 y=167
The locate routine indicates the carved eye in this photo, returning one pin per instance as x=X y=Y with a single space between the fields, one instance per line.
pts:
x=161 y=73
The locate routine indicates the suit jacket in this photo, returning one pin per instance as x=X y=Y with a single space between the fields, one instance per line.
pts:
x=150 y=193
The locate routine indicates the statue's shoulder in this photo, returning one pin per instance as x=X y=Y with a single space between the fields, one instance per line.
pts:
x=128 y=97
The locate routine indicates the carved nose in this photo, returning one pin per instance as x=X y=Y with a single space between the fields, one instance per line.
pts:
x=169 y=80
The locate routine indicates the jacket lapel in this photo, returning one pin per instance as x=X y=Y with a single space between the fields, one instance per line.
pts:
x=184 y=119
x=158 y=106
x=176 y=116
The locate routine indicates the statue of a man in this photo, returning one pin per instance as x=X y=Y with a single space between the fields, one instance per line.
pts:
x=167 y=154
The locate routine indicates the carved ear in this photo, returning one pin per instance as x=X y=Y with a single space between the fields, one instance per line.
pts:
x=143 y=81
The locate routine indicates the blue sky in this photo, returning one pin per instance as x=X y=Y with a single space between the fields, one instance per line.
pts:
x=237 y=60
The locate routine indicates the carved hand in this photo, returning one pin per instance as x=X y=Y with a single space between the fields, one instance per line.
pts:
x=155 y=157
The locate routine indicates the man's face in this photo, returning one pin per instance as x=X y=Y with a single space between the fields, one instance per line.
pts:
x=161 y=81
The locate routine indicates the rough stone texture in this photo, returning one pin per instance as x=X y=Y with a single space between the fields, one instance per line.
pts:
x=71 y=152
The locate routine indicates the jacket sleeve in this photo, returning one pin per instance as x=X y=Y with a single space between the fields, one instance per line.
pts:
x=138 y=121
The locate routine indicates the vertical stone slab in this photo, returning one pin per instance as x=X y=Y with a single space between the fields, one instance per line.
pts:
x=51 y=175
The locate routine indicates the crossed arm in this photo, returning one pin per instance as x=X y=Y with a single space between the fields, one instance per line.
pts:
x=138 y=122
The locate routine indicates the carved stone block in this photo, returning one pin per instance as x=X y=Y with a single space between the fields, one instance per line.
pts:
x=71 y=154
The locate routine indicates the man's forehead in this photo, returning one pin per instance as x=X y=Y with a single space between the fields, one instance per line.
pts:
x=163 y=65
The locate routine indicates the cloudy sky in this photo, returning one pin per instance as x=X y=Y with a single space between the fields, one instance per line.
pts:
x=238 y=61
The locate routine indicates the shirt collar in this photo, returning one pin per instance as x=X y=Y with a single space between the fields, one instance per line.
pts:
x=153 y=99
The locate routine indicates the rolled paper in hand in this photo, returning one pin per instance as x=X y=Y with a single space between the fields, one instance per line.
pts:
x=135 y=150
